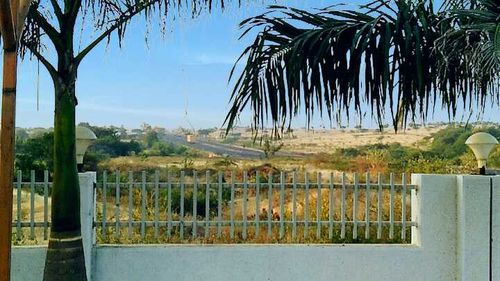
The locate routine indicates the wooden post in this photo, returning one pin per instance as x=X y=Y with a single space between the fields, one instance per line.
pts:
x=12 y=16
x=7 y=160
x=9 y=86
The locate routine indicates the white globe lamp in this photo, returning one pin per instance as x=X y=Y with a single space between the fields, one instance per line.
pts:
x=84 y=138
x=481 y=144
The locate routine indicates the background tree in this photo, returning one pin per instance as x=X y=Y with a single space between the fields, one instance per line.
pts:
x=384 y=54
x=21 y=134
x=150 y=137
x=35 y=153
x=50 y=32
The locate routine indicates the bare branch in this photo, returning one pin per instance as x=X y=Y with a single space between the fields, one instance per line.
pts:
x=53 y=34
x=50 y=68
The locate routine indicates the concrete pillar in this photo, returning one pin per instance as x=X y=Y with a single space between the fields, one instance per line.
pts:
x=473 y=228
x=433 y=204
x=496 y=229
x=434 y=211
x=87 y=181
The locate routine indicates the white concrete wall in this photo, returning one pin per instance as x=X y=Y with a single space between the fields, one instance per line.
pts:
x=27 y=263
x=266 y=262
x=447 y=245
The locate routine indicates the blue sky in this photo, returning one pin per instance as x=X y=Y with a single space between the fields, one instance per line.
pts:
x=157 y=82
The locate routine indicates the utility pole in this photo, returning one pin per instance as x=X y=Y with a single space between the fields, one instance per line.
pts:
x=12 y=16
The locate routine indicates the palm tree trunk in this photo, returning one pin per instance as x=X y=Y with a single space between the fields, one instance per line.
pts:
x=65 y=259
x=7 y=158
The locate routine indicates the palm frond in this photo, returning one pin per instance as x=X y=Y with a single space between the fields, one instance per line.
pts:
x=342 y=58
x=470 y=43
x=381 y=55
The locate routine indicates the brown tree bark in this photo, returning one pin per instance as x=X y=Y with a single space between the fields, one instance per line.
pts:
x=7 y=137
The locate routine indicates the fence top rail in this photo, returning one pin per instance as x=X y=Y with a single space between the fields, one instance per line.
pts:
x=322 y=180
x=239 y=171
x=138 y=184
x=243 y=179
x=30 y=183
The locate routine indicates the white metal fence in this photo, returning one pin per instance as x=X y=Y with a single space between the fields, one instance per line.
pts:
x=236 y=207
x=31 y=207
x=232 y=207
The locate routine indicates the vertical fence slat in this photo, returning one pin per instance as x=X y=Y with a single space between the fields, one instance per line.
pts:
x=318 y=206
x=270 y=205
x=143 y=205
x=45 y=205
x=207 y=203
x=245 y=196
x=294 y=205
x=219 y=207
x=231 y=215
x=117 y=203
x=342 y=208
x=130 y=202
x=157 y=203
x=355 y=207
x=195 y=203
x=19 y=233
x=403 y=208
x=32 y=205
x=379 y=206
x=257 y=204
x=391 y=226
x=331 y=207
x=169 y=204
x=181 y=215
x=104 y=203
x=367 y=205
x=306 y=206
x=282 y=205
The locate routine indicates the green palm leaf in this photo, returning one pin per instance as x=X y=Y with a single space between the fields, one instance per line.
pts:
x=382 y=55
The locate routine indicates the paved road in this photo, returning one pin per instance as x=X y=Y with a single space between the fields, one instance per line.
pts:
x=221 y=149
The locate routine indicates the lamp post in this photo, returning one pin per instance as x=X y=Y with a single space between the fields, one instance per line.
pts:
x=481 y=144
x=84 y=138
